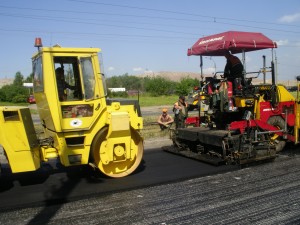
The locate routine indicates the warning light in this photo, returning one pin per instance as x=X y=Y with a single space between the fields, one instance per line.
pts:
x=38 y=42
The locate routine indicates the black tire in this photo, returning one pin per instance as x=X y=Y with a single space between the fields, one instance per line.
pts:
x=279 y=122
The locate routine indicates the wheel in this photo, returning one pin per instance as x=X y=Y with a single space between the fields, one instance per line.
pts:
x=120 y=166
x=278 y=122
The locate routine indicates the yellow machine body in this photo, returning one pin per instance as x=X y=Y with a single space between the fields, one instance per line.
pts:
x=18 y=138
x=297 y=110
x=198 y=99
x=81 y=126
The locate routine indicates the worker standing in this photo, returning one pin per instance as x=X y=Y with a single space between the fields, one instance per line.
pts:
x=234 y=72
x=181 y=112
x=233 y=68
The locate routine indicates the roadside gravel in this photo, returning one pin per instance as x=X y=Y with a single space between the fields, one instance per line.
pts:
x=157 y=142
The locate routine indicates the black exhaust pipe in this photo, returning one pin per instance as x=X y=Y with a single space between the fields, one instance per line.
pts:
x=273 y=73
x=274 y=94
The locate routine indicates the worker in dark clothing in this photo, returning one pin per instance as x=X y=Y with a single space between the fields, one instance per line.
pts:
x=234 y=68
x=181 y=112
x=62 y=85
x=234 y=72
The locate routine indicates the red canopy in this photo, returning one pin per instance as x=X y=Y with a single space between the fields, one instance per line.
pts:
x=234 y=41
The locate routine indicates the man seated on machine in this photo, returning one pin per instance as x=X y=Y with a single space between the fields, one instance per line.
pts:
x=62 y=85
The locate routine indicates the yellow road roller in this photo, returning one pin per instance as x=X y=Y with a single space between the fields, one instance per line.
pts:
x=81 y=126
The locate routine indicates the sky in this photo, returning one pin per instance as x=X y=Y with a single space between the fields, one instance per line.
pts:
x=138 y=37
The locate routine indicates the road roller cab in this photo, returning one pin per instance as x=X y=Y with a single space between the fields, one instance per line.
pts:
x=81 y=126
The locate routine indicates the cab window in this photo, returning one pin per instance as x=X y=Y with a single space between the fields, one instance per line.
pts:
x=67 y=78
x=88 y=77
x=38 y=83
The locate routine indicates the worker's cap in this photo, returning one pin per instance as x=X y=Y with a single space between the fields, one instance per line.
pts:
x=182 y=97
x=165 y=110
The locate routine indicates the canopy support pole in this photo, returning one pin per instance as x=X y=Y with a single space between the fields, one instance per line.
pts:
x=244 y=63
x=264 y=68
x=201 y=67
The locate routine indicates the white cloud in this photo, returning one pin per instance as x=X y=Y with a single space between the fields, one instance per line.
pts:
x=282 y=42
x=290 y=18
x=137 y=69
x=111 y=68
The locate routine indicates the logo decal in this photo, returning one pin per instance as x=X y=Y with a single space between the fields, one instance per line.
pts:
x=211 y=40
x=76 y=123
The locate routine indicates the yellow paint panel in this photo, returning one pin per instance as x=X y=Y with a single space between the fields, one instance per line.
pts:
x=119 y=121
x=284 y=94
x=17 y=136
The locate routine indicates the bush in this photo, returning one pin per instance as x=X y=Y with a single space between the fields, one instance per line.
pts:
x=15 y=92
x=19 y=99
x=121 y=94
x=158 y=86
x=186 y=85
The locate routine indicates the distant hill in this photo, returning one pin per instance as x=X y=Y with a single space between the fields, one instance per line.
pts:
x=174 y=76
x=177 y=76
x=6 y=81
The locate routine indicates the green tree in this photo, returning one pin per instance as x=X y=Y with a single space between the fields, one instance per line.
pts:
x=29 y=79
x=14 y=92
x=131 y=82
x=19 y=80
x=157 y=86
x=186 y=85
x=126 y=81
x=113 y=82
x=2 y=95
